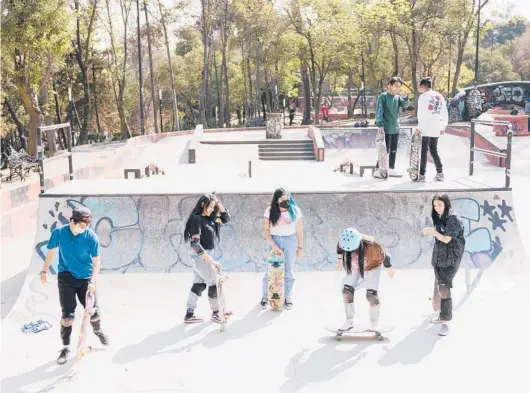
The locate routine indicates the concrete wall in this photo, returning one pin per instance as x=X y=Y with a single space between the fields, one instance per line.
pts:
x=144 y=233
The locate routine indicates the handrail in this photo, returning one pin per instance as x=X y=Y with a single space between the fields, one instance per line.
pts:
x=507 y=155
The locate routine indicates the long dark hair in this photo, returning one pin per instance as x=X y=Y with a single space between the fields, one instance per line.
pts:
x=203 y=201
x=440 y=221
x=346 y=258
x=275 y=212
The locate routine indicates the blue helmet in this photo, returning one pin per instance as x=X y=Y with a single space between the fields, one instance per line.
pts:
x=350 y=239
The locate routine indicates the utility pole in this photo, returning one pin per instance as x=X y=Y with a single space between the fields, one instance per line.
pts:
x=142 y=127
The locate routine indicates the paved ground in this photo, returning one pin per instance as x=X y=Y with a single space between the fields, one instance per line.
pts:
x=290 y=351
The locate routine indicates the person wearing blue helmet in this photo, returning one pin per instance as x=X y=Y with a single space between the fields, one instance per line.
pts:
x=362 y=259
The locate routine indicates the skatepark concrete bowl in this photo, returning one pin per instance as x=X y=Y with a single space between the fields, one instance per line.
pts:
x=146 y=278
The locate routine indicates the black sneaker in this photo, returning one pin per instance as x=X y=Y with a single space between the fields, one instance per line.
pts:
x=215 y=317
x=190 y=318
x=63 y=356
x=264 y=303
x=288 y=304
x=102 y=337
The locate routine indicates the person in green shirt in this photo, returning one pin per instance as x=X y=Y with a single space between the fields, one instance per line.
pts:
x=387 y=117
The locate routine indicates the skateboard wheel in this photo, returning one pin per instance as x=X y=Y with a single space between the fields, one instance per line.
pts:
x=222 y=328
x=338 y=338
x=380 y=338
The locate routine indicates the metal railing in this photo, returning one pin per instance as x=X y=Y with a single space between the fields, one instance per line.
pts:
x=40 y=150
x=507 y=156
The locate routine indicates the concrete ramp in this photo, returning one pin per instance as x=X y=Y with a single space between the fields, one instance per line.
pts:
x=265 y=351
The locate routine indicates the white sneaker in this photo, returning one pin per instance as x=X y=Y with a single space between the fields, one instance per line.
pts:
x=444 y=331
x=394 y=173
x=347 y=325
x=377 y=174
x=436 y=319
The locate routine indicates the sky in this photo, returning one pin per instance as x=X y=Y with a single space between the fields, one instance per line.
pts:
x=518 y=7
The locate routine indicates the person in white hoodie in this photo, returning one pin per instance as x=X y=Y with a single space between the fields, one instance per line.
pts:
x=432 y=121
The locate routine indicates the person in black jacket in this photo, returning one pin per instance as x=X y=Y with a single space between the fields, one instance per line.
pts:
x=202 y=228
x=449 y=245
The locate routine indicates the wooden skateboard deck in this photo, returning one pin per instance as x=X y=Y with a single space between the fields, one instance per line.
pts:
x=362 y=331
x=382 y=156
x=82 y=349
x=223 y=312
x=276 y=280
x=415 y=151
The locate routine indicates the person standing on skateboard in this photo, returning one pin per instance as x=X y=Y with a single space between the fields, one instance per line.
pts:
x=362 y=259
x=202 y=228
x=282 y=227
x=78 y=270
x=387 y=117
x=432 y=120
x=449 y=245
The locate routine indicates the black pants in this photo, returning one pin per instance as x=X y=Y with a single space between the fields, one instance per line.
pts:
x=71 y=288
x=442 y=291
x=430 y=144
x=391 y=141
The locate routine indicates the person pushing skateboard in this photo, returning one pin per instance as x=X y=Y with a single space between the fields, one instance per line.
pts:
x=362 y=259
x=78 y=270
x=387 y=117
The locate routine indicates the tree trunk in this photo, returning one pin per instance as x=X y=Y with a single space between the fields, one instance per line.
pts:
x=20 y=127
x=224 y=68
x=83 y=137
x=245 y=97
x=33 y=110
x=50 y=135
x=250 y=92
x=174 y=121
x=98 y=124
x=395 y=53
x=306 y=117
x=205 y=5
x=151 y=69
x=258 y=65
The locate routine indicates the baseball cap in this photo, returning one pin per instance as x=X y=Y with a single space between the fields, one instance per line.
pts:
x=82 y=214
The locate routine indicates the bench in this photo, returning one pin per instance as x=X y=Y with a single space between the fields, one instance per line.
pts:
x=343 y=168
x=148 y=171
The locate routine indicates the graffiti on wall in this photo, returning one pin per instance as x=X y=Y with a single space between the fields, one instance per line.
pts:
x=144 y=233
x=359 y=138
x=471 y=102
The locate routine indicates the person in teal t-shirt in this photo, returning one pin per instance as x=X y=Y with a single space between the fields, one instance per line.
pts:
x=387 y=117
x=78 y=250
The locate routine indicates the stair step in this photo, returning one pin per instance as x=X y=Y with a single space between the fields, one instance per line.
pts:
x=286 y=154
x=291 y=158
x=285 y=148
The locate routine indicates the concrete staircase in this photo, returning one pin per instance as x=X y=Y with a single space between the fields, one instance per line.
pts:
x=286 y=150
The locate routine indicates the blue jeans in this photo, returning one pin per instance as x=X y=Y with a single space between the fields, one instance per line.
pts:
x=289 y=246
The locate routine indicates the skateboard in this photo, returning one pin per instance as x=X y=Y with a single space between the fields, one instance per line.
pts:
x=223 y=312
x=275 y=280
x=382 y=157
x=82 y=349
x=360 y=331
x=415 y=151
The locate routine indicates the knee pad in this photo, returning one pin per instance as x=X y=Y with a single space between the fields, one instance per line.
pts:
x=67 y=322
x=372 y=297
x=212 y=292
x=198 y=288
x=445 y=291
x=347 y=294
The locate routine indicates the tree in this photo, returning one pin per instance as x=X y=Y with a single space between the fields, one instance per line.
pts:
x=36 y=34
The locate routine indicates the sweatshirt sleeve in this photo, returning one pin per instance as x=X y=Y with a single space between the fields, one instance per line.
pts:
x=379 y=111
x=444 y=115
